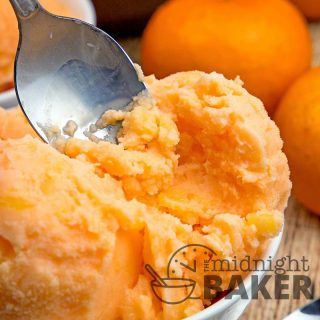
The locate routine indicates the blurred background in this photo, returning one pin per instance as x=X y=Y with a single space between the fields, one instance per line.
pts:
x=124 y=18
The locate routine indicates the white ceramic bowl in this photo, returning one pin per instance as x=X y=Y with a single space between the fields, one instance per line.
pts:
x=82 y=9
x=232 y=309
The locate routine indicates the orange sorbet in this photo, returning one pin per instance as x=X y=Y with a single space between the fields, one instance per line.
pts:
x=198 y=161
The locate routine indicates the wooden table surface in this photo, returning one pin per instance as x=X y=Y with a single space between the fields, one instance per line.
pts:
x=301 y=238
x=301 y=233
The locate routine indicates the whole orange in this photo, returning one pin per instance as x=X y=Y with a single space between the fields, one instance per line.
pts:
x=298 y=118
x=310 y=8
x=267 y=43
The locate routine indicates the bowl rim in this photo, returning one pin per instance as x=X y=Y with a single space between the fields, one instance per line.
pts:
x=8 y=98
x=88 y=9
x=224 y=303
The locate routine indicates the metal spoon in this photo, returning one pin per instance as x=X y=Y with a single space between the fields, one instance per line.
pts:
x=66 y=69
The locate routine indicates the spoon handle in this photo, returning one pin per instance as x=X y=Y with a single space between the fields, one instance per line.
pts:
x=25 y=8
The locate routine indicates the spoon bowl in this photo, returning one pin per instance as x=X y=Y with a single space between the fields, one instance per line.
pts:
x=67 y=69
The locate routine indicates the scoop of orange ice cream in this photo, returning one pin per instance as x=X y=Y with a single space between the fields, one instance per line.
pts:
x=229 y=149
x=66 y=256
x=199 y=162
x=9 y=37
